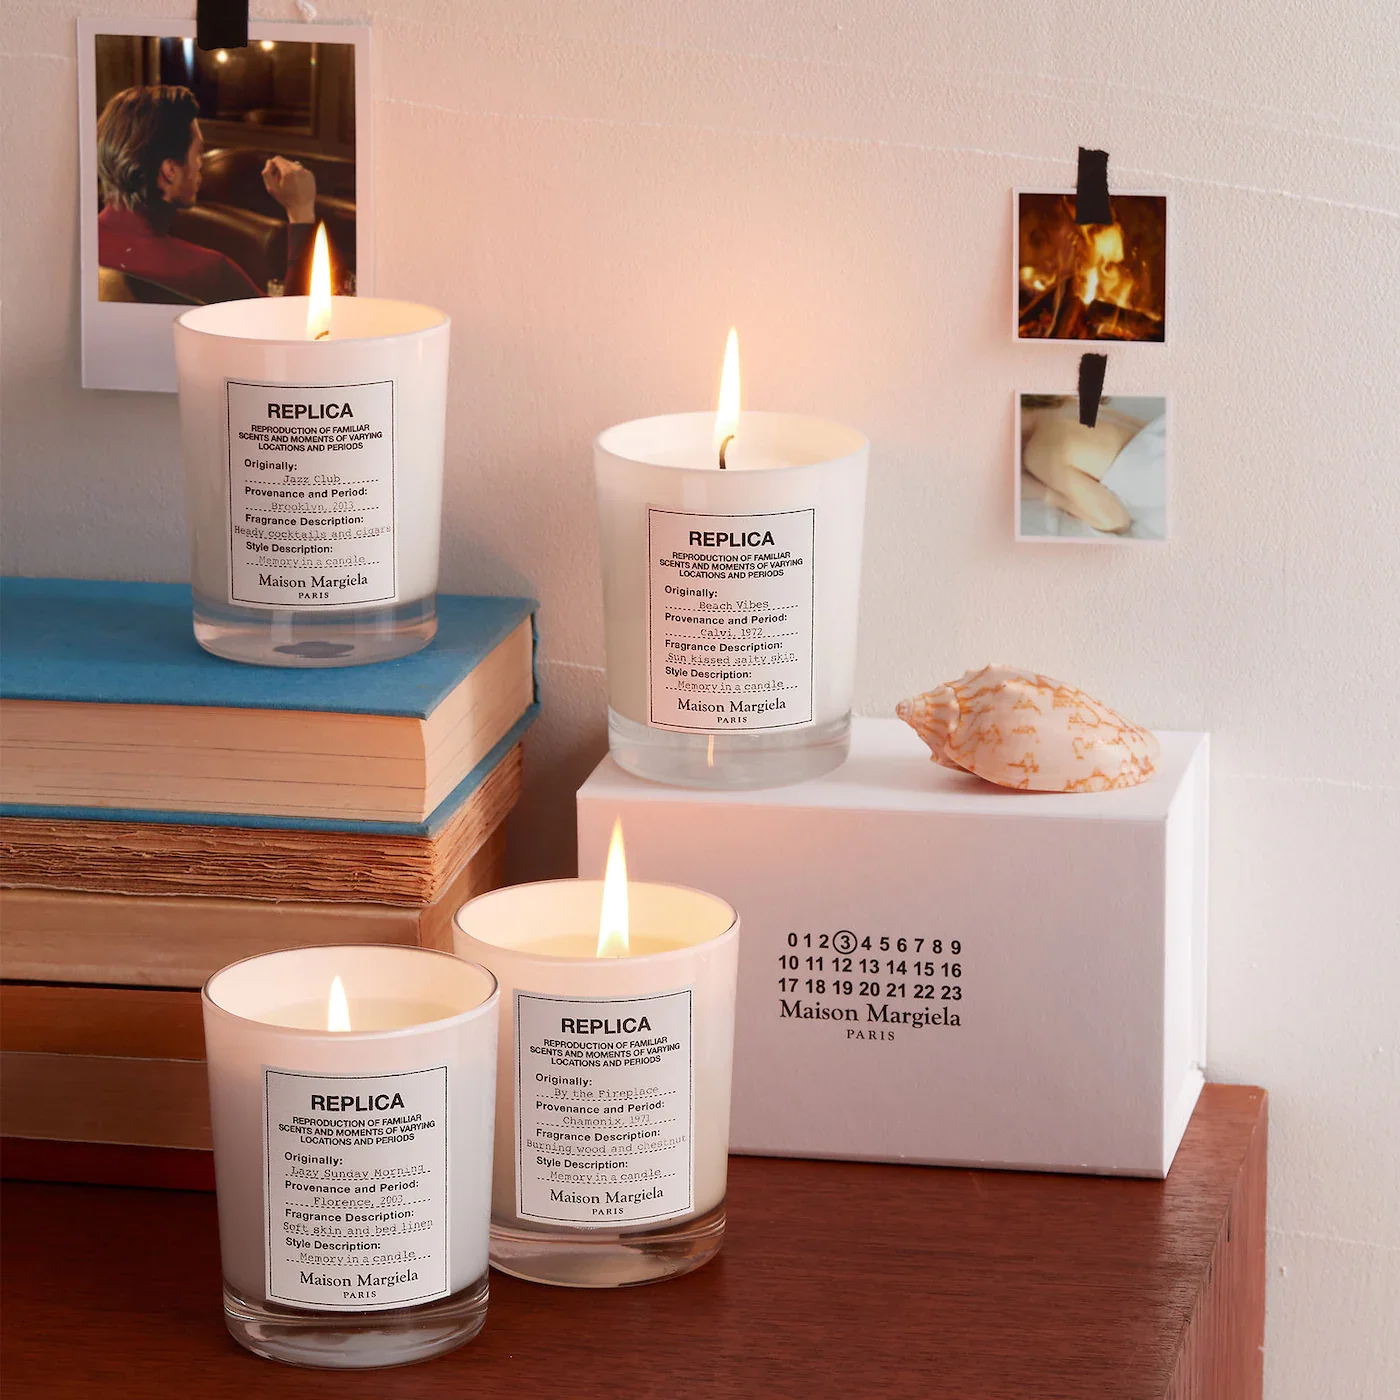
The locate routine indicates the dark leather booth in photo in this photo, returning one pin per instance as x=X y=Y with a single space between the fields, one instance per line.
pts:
x=236 y=216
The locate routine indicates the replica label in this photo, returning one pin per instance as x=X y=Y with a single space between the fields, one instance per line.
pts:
x=311 y=494
x=604 y=1109
x=356 y=1189
x=731 y=609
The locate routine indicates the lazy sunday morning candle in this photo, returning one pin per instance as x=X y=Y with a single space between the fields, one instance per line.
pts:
x=312 y=430
x=352 y=1093
x=617 y=1043
x=731 y=549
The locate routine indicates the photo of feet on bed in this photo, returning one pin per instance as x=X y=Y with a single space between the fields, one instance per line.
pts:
x=215 y=168
x=1102 y=483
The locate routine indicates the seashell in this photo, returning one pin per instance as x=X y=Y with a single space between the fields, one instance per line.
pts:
x=1022 y=730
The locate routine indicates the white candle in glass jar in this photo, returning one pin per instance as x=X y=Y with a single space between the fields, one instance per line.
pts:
x=352 y=1094
x=612 y=1104
x=731 y=596
x=313 y=475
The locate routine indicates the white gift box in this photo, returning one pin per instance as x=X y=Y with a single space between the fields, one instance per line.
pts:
x=937 y=970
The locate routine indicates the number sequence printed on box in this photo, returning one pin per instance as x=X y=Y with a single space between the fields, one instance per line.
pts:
x=868 y=986
x=604 y=1109
x=732 y=610
x=356 y=1189
x=311 y=494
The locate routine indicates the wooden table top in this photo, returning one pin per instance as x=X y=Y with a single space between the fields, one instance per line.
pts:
x=835 y=1279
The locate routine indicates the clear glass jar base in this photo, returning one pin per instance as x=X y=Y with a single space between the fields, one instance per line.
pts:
x=729 y=762
x=607 y=1258
x=307 y=639
x=337 y=1341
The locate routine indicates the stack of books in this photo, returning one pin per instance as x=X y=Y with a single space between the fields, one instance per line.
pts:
x=164 y=812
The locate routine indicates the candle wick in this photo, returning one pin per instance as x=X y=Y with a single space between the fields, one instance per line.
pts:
x=722 y=448
x=324 y=334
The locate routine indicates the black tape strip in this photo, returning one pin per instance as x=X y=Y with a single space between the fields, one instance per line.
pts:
x=221 y=24
x=1091 y=373
x=1091 y=191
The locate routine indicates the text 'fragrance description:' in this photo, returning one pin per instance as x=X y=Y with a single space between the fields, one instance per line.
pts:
x=311 y=494
x=356 y=1189
x=604 y=1109
x=731 y=601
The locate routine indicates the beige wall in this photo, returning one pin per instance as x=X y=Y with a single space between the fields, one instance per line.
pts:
x=595 y=191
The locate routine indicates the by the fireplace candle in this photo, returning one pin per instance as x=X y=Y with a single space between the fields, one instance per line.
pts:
x=617 y=1041
x=313 y=441
x=731 y=549
x=352 y=1094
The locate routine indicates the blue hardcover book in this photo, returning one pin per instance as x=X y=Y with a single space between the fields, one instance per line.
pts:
x=109 y=710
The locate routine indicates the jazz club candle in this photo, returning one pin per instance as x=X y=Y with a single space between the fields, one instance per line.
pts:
x=731 y=549
x=352 y=1094
x=312 y=433
x=612 y=1107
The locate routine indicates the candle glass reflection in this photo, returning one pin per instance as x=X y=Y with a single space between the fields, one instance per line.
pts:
x=353 y=1165
x=612 y=1133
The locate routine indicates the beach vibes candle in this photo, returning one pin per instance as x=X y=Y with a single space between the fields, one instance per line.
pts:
x=731 y=549
x=617 y=1042
x=352 y=1095
x=312 y=432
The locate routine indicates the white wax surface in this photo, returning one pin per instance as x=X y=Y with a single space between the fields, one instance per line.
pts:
x=778 y=462
x=271 y=320
x=585 y=945
x=366 y=1014
x=263 y=341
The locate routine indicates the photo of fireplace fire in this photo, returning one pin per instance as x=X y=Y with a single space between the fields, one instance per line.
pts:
x=1091 y=281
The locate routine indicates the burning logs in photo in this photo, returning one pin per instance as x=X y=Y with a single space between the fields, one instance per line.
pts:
x=1092 y=281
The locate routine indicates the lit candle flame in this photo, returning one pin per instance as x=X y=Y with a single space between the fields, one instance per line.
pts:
x=727 y=416
x=612 y=925
x=337 y=1008
x=318 y=306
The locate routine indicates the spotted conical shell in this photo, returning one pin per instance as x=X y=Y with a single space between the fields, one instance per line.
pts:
x=934 y=716
x=1019 y=729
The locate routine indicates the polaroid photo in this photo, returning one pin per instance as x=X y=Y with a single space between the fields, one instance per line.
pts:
x=205 y=175
x=1103 y=485
x=1099 y=282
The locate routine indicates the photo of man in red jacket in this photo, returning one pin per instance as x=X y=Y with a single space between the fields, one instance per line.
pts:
x=149 y=156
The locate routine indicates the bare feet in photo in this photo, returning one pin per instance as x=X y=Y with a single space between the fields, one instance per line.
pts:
x=1070 y=460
